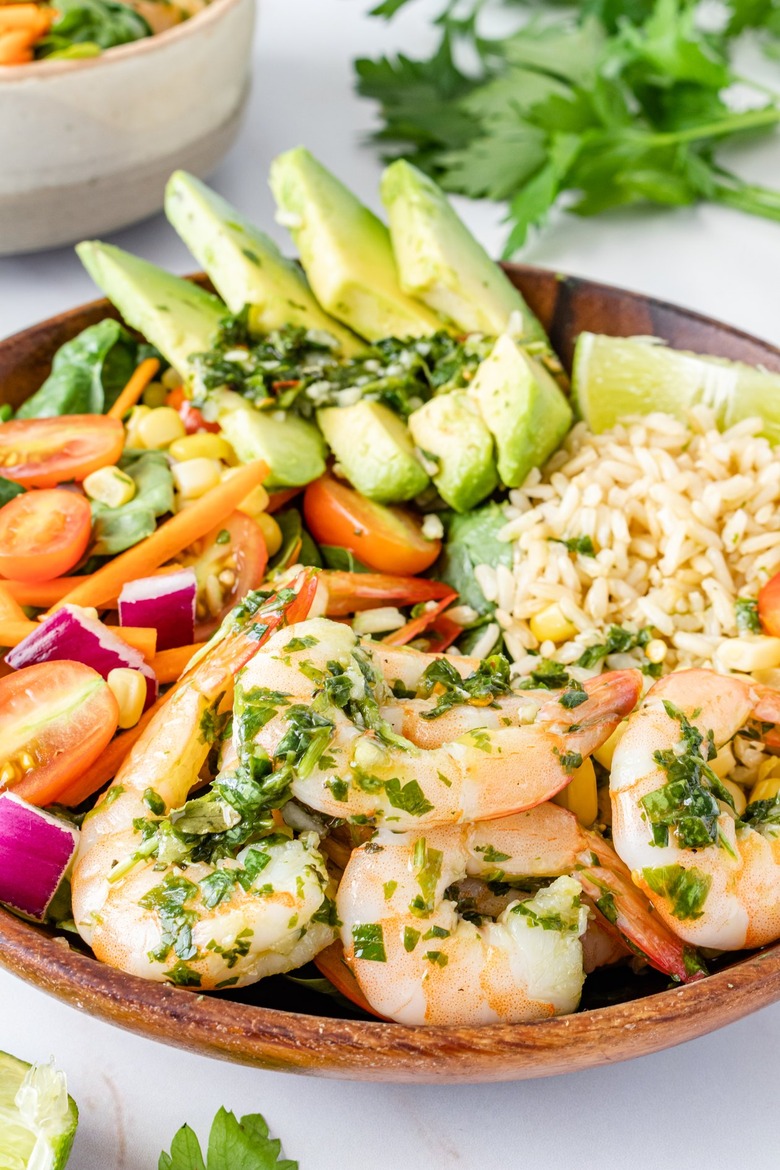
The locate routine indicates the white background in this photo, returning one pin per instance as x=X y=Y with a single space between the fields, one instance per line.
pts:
x=713 y=1102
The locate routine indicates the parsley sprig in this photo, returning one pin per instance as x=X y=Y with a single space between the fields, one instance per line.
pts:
x=233 y=1143
x=615 y=102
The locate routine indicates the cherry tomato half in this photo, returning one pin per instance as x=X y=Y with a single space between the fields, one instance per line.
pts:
x=769 y=606
x=43 y=534
x=389 y=540
x=42 y=452
x=228 y=562
x=56 y=718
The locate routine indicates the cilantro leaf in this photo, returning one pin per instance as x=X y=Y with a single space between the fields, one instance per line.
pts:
x=611 y=103
x=233 y=1145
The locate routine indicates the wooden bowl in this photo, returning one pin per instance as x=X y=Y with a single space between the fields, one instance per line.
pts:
x=259 y=1025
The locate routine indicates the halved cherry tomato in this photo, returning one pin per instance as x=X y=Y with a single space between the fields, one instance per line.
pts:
x=42 y=452
x=190 y=415
x=43 y=534
x=55 y=720
x=235 y=547
x=769 y=606
x=350 y=592
x=389 y=540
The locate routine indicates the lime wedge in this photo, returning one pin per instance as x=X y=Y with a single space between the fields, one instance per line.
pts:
x=37 y=1117
x=618 y=376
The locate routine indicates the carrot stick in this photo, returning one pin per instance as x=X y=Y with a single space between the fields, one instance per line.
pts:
x=169 y=539
x=42 y=594
x=169 y=664
x=16 y=46
x=139 y=380
x=10 y=610
x=139 y=637
x=417 y=626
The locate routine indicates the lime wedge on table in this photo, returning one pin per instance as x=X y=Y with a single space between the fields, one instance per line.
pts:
x=37 y=1117
x=618 y=376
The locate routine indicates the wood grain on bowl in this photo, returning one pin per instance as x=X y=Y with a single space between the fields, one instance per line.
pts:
x=257 y=1027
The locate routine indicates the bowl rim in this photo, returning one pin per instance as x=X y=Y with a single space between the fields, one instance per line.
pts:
x=40 y=70
x=344 y=1048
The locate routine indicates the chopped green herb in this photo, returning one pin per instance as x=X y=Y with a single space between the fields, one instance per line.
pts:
x=411 y=938
x=437 y=957
x=300 y=644
x=409 y=797
x=436 y=932
x=746 y=611
x=574 y=695
x=685 y=889
x=153 y=802
x=570 y=761
x=619 y=641
x=369 y=943
x=491 y=855
x=389 y=889
x=481 y=687
x=169 y=900
x=223 y=537
x=578 y=544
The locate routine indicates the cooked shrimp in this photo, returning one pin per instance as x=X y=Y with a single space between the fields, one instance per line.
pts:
x=150 y=895
x=714 y=878
x=318 y=700
x=418 y=961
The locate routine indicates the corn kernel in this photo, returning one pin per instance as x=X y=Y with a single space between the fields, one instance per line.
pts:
x=26 y=762
x=110 y=486
x=656 y=650
x=272 y=533
x=129 y=689
x=207 y=446
x=580 y=796
x=550 y=625
x=160 y=427
x=196 y=477
x=746 y=654
x=171 y=380
x=155 y=394
x=765 y=789
x=605 y=753
x=724 y=762
x=132 y=437
x=740 y=803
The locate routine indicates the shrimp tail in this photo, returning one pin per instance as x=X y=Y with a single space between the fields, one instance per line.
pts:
x=611 y=697
x=608 y=883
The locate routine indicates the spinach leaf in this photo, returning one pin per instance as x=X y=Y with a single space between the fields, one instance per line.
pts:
x=9 y=489
x=87 y=373
x=472 y=540
x=104 y=23
x=115 y=529
x=335 y=557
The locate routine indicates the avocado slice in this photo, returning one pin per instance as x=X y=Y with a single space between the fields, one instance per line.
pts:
x=441 y=263
x=375 y=451
x=450 y=428
x=345 y=251
x=522 y=406
x=245 y=265
x=175 y=315
x=292 y=447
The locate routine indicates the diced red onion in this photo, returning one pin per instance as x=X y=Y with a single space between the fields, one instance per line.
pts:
x=70 y=633
x=36 y=849
x=165 y=603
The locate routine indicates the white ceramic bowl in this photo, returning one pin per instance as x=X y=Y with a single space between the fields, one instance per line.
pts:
x=87 y=146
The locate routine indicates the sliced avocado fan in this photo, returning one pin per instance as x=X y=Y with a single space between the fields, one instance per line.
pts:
x=245 y=265
x=175 y=315
x=440 y=263
x=345 y=251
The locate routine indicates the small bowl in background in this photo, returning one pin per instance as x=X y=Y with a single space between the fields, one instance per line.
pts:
x=87 y=146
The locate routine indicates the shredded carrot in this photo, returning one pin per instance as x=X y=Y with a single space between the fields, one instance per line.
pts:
x=169 y=539
x=42 y=594
x=10 y=610
x=417 y=626
x=169 y=664
x=139 y=380
x=139 y=637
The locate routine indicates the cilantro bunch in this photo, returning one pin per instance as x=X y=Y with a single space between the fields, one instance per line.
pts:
x=607 y=104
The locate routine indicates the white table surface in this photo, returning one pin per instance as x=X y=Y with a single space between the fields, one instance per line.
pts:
x=711 y=1102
